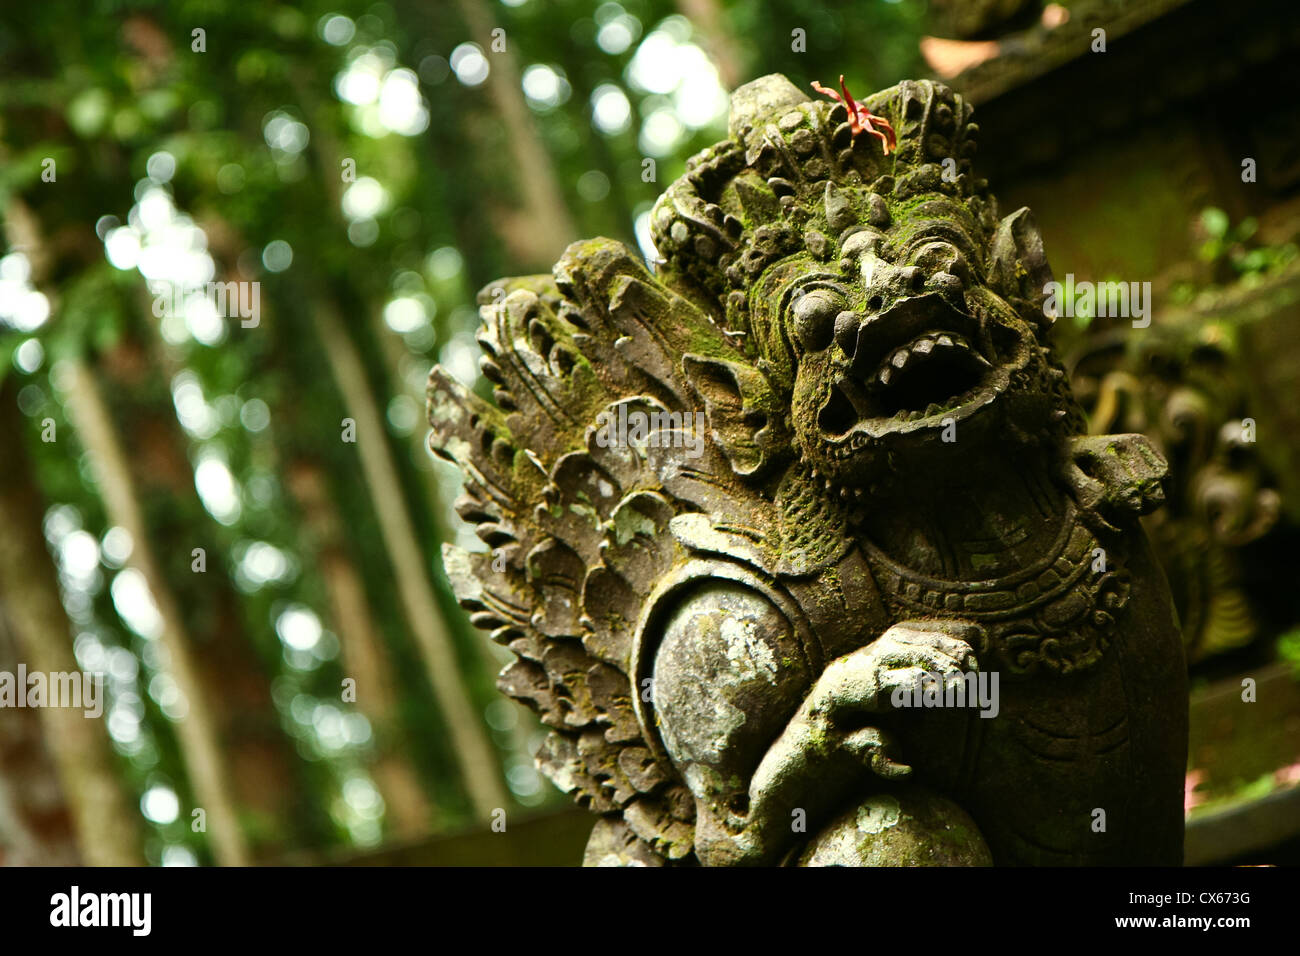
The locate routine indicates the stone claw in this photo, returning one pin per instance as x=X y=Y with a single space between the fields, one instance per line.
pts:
x=1113 y=476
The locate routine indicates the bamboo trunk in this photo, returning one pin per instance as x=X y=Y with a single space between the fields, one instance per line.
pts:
x=100 y=811
x=264 y=786
x=36 y=825
x=201 y=749
x=709 y=19
x=85 y=405
x=477 y=756
x=393 y=353
x=364 y=656
x=545 y=227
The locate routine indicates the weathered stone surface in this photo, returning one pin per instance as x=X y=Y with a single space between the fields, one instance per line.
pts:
x=738 y=506
x=903 y=828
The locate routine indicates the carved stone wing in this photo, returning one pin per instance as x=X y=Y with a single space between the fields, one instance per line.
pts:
x=591 y=446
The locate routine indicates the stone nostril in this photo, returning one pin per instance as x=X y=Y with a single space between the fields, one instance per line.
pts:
x=875 y=303
x=846 y=332
x=945 y=282
x=912 y=278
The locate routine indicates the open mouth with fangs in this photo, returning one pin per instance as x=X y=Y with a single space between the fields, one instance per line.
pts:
x=913 y=366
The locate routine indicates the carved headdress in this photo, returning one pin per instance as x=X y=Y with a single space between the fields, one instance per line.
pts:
x=792 y=177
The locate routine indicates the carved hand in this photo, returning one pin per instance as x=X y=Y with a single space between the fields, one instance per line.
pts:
x=1115 y=475
x=827 y=748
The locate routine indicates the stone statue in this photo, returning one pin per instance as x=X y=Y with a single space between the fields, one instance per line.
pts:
x=752 y=516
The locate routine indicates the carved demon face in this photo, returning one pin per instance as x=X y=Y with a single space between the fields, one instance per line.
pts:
x=889 y=308
x=901 y=344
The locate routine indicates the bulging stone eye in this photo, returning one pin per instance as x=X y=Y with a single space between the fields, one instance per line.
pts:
x=938 y=257
x=814 y=317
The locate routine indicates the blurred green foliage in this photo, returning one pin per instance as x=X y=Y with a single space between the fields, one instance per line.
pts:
x=172 y=148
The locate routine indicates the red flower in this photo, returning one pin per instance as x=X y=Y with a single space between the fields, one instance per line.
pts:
x=861 y=118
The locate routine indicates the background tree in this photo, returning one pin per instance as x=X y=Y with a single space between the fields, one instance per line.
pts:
x=368 y=166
